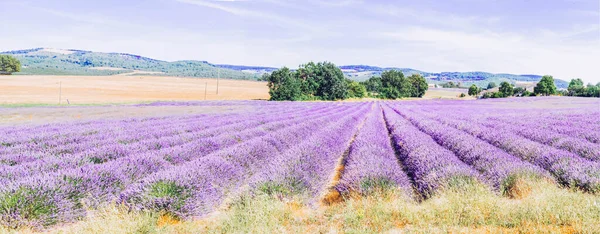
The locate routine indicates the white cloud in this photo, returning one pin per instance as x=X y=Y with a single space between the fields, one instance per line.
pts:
x=269 y=17
x=501 y=52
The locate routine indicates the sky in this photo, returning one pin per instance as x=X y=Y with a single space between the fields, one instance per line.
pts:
x=555 y=37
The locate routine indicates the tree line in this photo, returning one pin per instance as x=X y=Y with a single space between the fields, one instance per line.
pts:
x=545 y=87
x=576 y=88
x=325 y=81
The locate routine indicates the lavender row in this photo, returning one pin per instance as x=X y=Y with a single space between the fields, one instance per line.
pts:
x=581 y=147
x=494 y=164
x=568 y=168
x=204 y=142
x=152 y=139
x=38 y=139
x=203 y=184
x=430 y=165
x=72 y=187
x=46 y=132
x=103 y=151
x=371 y=163
x=309 y=167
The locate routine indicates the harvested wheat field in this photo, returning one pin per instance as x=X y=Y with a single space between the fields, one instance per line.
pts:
x=123 y=89
x=445 y=93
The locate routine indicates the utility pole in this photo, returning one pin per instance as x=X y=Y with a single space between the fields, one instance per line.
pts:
x=59 y=91
x=205 y=88
x=218 y=76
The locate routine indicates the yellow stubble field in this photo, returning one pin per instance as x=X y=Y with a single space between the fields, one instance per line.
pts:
x=123 y=89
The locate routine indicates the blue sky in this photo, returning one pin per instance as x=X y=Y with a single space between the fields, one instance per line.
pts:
x=560 y=38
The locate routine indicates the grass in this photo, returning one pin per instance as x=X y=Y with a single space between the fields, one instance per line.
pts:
x=468 y=209
x=14 y=208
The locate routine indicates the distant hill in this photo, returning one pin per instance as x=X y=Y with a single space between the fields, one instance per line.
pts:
x=363 y=72
x=45 y=61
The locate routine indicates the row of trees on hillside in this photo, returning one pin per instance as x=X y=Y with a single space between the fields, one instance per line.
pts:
x=9 y=65
x=325 y=81
x=544 y=87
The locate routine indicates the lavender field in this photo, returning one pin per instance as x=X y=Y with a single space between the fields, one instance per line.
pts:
x=190 y=165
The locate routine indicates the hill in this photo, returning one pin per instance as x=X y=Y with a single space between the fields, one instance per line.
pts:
x=363 y=72
x=45 y=61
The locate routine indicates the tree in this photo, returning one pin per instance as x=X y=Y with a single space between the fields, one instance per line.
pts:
x=576 y=87
x=394 y=85
x=9 y=64
x=491 y=85
x=264 y=77
x=545 y=86
x=324 y=80
x=474 y=90
x=462 y=95
x=592 y=90
x=451 y=84
x=373 y=84
x=356 y=90
x=506 y=89
x=418 y=85
x=518 y=91
x=283 y=85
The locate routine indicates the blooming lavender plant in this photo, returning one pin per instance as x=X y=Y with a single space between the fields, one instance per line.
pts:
x=371 y=163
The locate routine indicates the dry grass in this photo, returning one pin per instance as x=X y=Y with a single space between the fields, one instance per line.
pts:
x=119 y=89
x=443 y=93
x=471 y=209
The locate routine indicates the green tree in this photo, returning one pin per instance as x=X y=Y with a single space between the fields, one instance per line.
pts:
x=324 y=80
x=451 y=84
x=491 y=85
x=264 y=77
x=545 y=86
x=9 y=64
x=373 y=84
x=283 y=85
x=592 y=90
x=418 y=85
x=356 y=90
x=394 y=85
x=576 y=88
x=518 y=91
x=474 y=90
x=506 y=89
